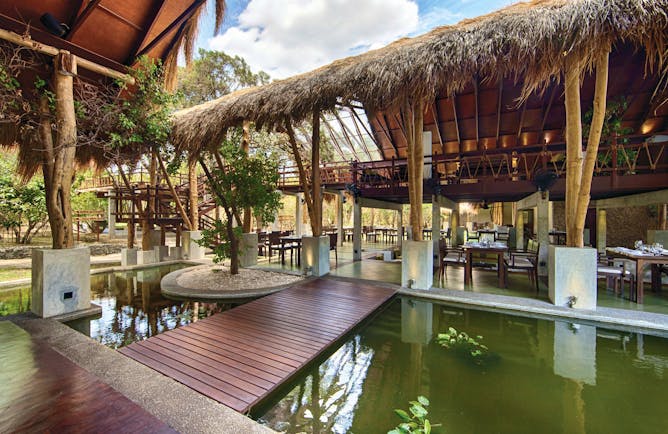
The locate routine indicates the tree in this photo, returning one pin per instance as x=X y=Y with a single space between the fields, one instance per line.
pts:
x=215 y=74
x=22 y=204
x=239 y=181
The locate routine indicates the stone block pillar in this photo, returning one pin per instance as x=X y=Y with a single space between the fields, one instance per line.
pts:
x=572 y=273
x=111 y=218
x=60 y=281
x=192 y=250
x=543 y=221
x=248 y=249
x=601 y=229
x=435 y=223
x=128 y=257
x=339 y=217
x=315 y=255
x=400 y=228
x=357 y=230
x=417 y=264
x=298 y=214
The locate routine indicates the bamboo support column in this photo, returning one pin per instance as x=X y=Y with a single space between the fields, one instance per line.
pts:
x=245 y=145
x=413 y=116
x=316 y=224
x=193 y=196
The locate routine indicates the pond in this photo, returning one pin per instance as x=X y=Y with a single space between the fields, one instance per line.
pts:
x=539 y=376
x=133 y=308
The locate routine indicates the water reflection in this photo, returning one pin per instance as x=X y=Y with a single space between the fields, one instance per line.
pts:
x=558 y=376
x=134 y=309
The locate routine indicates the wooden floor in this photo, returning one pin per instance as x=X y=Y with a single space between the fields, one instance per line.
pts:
x=240 y=356
x=43 y=391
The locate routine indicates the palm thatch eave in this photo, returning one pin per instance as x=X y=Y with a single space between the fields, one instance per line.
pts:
x=526 y=41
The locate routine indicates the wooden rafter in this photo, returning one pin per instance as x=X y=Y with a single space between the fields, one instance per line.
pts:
x=156 y=14
x=651 y=106
x=437 y=124
x=388 y=133
x=476 y=94
x=373 y=135
x=454 y=110
x=521 y=123
x=178 y=22
x=332 y=135
x=348 y=134
x=120 y=17
x=78 y=22
x=498 y=110
x=360 y=136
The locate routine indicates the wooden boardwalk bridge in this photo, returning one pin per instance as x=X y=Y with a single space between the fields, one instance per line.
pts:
x=241 y=356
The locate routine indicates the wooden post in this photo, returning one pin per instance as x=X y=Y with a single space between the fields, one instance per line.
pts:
x=413 y=116
x=58 y=163
x=245 y=145
x=177 y=200
x=149 y=211
x=316 y=225
x=193 y=197
x=573 y=148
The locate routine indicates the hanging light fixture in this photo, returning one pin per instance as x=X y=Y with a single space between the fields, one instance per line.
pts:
x=53 y=26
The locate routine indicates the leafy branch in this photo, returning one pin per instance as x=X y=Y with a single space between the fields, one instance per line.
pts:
x=415 y=419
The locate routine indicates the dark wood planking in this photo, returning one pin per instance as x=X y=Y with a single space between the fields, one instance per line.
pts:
x=52 y=394
x=240 y=356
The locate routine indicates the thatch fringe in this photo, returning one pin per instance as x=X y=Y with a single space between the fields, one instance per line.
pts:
x=527 y=41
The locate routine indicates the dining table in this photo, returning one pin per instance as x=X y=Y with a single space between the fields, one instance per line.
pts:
x=655 y=260
x=488 y=249
x=296 y=242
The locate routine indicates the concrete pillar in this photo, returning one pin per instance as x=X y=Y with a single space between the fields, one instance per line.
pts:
x=339 y=217
x=426 y=152
x=111 y=218
x=60 y=281
x=192 y=250
x=315 y=255
x=454 y=222
x=417 y=264
x=519 y=232
x=357 y=231
x=298 y=214
x=435 y=223
x=601 y=230
x=400 y=228
x=572 y=277
x=542 y=231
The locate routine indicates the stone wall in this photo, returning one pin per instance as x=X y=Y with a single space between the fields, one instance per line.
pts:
x=625 y=225
x=20 y=252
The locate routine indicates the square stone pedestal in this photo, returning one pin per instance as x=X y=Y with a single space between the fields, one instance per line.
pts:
x=572 y=273
x=417 y=264
x=128 y=257
x=248 y=249
x=192 y=250
x=60 y=281
x=175 y=253
x=315 y=255
x=161 y=253
x=145 y=257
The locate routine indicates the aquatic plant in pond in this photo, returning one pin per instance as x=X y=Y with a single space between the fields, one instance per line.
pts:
x=416 y=421
x=464 y=344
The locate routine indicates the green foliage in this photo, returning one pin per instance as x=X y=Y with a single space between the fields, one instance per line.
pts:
x=245 y=181
x=415 y=419
x=144 y=115
x=464 y=344
x=214 y=74
x=21 y=204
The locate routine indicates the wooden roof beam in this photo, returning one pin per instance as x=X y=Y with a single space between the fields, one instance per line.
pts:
x=521 y=123
x=120 y=17
x=333 y=136
x=76 y=25
x=28 y=42
x=361 y=136
x=454 y=110
x=178 y=22
x=476 y=94
x=348 y=134
x=144 y=39
x=498 y=111
x=438 y=124
x=373 y=135
x=388 y=133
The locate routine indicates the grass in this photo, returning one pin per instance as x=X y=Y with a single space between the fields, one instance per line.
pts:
x=14 y=274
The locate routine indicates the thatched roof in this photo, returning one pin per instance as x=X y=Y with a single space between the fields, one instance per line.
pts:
x=526 y=41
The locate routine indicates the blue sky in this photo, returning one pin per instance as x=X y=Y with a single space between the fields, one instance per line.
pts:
x=287 y=37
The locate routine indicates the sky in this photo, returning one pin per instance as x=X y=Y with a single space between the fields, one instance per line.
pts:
x=288 y=37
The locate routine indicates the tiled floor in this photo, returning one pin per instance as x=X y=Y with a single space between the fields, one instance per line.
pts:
x=484 y=281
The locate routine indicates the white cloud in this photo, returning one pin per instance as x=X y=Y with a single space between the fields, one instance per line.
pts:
x=292 y=36
x=437 y=16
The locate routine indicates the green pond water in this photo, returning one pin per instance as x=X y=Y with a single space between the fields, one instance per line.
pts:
x=133 y=308
x=539 y=377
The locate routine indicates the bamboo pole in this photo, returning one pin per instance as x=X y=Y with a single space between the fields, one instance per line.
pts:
x=193 y=196
x=315 y=175
x=573 y=147
x=245 y=145
x=303 y=180
x=28 y=42
x=600 y=95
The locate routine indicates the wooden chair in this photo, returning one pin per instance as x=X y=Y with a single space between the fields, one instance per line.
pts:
x=452 y=256
x=525 y=260
x=616 y=272
x=275 y=244
x=333 y=241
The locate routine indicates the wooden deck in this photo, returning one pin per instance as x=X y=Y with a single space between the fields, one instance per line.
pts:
x=43 y=391
x=240 y=356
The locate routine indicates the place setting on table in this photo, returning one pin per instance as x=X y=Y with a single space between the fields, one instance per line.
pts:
x=643 y=254
x=495 y=248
